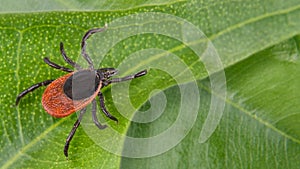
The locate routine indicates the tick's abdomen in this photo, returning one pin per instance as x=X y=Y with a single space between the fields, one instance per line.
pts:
x=82 y=85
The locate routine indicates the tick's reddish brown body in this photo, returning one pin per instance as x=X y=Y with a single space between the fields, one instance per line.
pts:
x=58 y=104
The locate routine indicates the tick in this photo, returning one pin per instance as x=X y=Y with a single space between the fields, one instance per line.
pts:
x=75 y=90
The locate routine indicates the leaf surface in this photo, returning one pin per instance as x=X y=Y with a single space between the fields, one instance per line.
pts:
x=258 y=44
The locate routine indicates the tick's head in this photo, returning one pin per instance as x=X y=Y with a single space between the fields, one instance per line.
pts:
x=106 y=73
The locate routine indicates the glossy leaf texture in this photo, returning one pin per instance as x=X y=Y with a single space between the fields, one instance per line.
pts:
x=258 y=43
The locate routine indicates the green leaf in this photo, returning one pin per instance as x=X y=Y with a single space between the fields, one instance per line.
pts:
x=258 y=44
x=78 y=5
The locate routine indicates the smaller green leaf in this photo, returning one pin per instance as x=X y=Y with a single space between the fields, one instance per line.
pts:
x=259 y=129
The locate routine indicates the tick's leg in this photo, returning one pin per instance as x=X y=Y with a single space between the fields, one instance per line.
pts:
x=116 y=80
x=32 y=88
x=83 y=44
x=102 y=105
x=67 y=59
x=95 y=119
x=56 y=66
x=76 y=124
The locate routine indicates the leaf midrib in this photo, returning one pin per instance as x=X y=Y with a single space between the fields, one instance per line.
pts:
x=32 y=143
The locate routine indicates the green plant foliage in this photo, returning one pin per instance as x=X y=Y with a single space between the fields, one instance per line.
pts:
x=258 y=43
